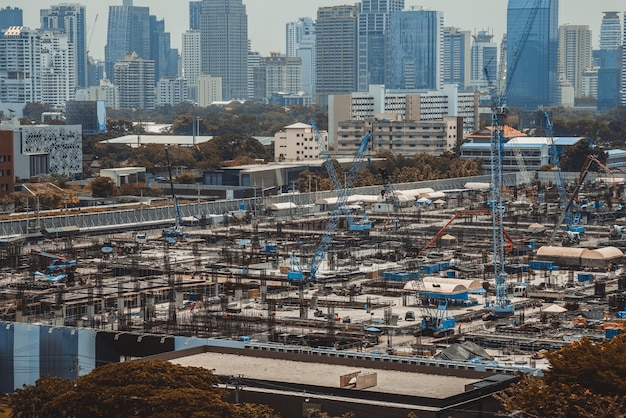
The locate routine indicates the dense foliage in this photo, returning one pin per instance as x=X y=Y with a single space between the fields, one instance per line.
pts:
x=133 y=389
x=586 y=379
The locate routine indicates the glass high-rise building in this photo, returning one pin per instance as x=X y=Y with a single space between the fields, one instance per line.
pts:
x=609 y=61
x=574 y=55
x=336 y=52
x=10 y=17
x=224 y=41
x=456 y=57
x=534 y=82
x=128 y=30
x=301 y=43
x=195 y=10
x=70 y=19
x=484 y=54
x=373 y=23
x=415 y=49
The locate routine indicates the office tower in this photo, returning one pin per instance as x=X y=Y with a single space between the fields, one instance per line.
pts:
x=70 y=19
x=336 y=51
x=534 y=82
x=171 y=91
x=301 y=43
x=190 y=61
x=609 y=62
x=128 y=30
x=415 y=46
x=134 y=78
x=277 y=73
x=372 y=24
x=484 y=54
x=254 y=60
x=224 y=41
x=195 y=10
x=10 y=17
x=574 y=55
x=456 y=57
x=209 y=90
x=58 y=69
x=610 y=31
x=20 y=66
x=165 y=58
x=95 y=72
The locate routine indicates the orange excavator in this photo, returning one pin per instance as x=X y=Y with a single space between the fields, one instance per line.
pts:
x=508 y=245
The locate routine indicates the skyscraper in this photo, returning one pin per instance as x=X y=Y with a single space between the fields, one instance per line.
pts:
x=195 y=10
x=58 y=68
x=574 y=55
x=534 y=82
x=373 y=22
x=415 y=46
x=190 y=61
x=165 y=58
x=609 y=55
x=70 y=19
x=336 y=51
x=301 y=43
x=135 y=82
x=128 y=30
x=20 y=57
x=484 y=54
x=224 y=42
x=456 y=57
x=10 y=17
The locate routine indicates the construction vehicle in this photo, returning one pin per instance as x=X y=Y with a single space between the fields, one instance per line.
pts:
x=433 y=310
x=296 y=272
x=573 y=229
x=346 y=188
x=508 y=245
x=176 y=231
x=502 y=306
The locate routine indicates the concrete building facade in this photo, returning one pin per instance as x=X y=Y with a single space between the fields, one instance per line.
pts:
x=135 y=82
x=296 y=143
x=190 y=61
x=172 y=91
x=575 y=45
x=209 y=90
x=402 y=137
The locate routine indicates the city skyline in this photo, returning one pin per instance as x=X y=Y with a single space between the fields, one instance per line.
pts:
x=472 y=16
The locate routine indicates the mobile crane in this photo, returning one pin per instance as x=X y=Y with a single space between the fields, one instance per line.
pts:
x=175 y=232
x=296 y=272
x=364 y=224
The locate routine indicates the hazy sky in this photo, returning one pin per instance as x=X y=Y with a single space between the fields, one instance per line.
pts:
x=267 y=18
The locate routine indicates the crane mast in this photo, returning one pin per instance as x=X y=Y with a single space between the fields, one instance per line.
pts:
x=503 y=306
x=296 y=272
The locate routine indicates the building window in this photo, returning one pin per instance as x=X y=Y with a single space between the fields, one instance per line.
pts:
x=4 y=187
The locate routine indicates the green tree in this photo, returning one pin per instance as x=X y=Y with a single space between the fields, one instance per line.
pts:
x=185 y=178
x=585 y=379
x=29 y=401
x=103 y=187
x=138 y=389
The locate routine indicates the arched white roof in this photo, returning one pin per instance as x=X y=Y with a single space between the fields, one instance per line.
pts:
x=444 y=285
x=282 y=206
x=567 y=252
x=607 y=253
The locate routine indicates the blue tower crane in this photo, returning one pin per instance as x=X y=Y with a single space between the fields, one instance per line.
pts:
x=354 y=225
x=502 y=306
x=296 y=272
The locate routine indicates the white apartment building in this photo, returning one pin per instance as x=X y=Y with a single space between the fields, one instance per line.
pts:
x=106 y=91
x=400 y=137
x=297 y=143
x=406 y=105
x=209 y=90
x=172 y=91
x=191 y=61
x=58 y=69
x=135 y=82
x=20 y=66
